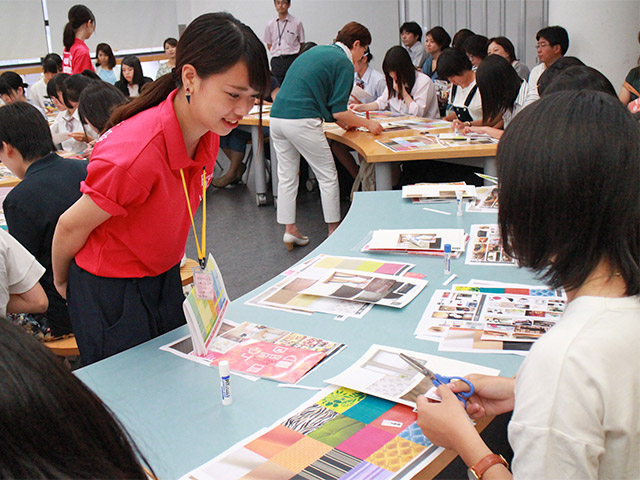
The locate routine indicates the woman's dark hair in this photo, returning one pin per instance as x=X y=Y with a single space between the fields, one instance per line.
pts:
x=499 y=85
x=51 y=424
x=73 y=87
x=353 y=31
x=133 y=62
x=24 y=128
x=452 y=62
x=78 y=15
x=11 y=82
x=106 y=49
x=412 y=27
x=569 y=169
x=554 y=69
x=97 y=102
x=306 y=46
x=460 y=37
x=56 y=84
x=52 y=63
x=398 y=60
x=579 y=77
x=506 y=44
x=555 y=35
x=440 y=36
x=171 y=41
x=212 y=43
x=476 y=45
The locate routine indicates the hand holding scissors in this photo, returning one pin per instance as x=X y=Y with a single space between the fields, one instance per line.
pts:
x=438 y=379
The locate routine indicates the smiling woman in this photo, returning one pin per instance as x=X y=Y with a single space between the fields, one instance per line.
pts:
x=117 y=251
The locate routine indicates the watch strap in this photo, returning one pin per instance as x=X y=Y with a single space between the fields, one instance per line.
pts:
x=485 y=463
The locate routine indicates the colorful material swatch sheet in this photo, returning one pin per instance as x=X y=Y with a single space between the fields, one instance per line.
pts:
x=411 y=143
x=485 y=247
x=466 y=340
x=383 y=373
x=287 y=294
x=339 y=434
x=486 y=202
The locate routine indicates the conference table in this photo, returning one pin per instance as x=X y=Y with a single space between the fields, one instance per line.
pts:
x=172 y=407
x=371 y=151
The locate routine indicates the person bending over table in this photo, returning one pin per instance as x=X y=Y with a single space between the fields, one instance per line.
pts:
x=317 y=88
x=567 y=215
x=118 y=248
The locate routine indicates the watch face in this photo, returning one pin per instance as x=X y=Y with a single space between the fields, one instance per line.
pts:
x=472 y=474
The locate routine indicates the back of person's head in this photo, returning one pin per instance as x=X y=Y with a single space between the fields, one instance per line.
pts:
x=398 y=61
x=78 y=15
x=440 y=36
x=52 y=63
x=307 y=46
x=353 y=31
x=73 y=87
x=90 y=74
x=51 y=424
x=555 y=35
x=24 y=128
x=460 y=37
x=212 y=44
x=97 y=102
x=412 y=27
x=499 y=85
x=554 y=69
x=580 y=77
x=133 y=62
x=11 y=83
x=506 y=45
x=56 y=85
x=452 y=62
x=569 y=170
x=170 y=41
x=105 y=48
x=476 y=45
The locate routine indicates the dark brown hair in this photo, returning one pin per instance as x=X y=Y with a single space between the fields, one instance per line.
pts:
x=78 y=15
x=397 y=60
x=353 y=31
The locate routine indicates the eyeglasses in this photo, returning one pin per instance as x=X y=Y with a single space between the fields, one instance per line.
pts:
x=542 y=45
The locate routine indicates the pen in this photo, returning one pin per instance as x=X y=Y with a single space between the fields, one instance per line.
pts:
x=367 y=114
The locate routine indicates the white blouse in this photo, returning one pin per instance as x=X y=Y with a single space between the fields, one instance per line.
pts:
x=425 y=102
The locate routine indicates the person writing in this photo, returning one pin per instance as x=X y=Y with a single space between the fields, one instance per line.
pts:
x=465 y=101
x=571 y=417
x=116 y=252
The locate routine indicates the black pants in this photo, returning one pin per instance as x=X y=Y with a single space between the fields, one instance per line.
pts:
x=110 y=315
x=280 y=65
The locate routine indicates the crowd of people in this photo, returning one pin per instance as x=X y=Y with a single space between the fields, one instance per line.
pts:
x=92 y=251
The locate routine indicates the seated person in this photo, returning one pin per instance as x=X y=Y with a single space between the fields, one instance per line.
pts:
x=553 y=43
x=411 y=35
x=96 y=104
x=502 y=46
x=465 y=101
x=558 y=66
x=580 y=77
x=234 y=145
x=50 y=184
x=368 y=79
x=170 y=45
x=54 y=425
x=132 y=80
x=106 y=67
x=460 y=37
x=51 y=65
x=13 y=89
x=435 y=41
x=571 y=416
x=476 y=49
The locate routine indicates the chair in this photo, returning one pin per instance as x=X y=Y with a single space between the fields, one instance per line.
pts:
x=65 y=347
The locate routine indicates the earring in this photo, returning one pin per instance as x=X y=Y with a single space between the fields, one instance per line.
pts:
x=188 y=95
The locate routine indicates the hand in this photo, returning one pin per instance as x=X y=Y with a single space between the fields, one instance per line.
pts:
x=493 y=395
x=61 y=287
x=397 y=88
x=345 y=126
x=78 y=136
x=446 y=423
x=374 y=127
x=356 y=107
x=353 y=100
x=458 y=125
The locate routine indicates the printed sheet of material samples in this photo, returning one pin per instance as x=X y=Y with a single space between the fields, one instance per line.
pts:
x=485 y=247
x=486 y=201
x=417 y=240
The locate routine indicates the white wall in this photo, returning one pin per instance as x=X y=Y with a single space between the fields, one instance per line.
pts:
x=603 y=34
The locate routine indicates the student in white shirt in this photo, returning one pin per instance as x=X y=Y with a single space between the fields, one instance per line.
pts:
x=465 y=101
x=283 y=35
x=408 y=92
x=411 y=35
x=51 y=65
x=367 y=78
x=553 y=43
x=13 y=89
x=565 y=213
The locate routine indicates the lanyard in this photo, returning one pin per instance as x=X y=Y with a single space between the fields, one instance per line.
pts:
x=280 y=33
x=201 y=253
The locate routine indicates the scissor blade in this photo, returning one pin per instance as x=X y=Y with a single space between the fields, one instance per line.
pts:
x=418 y=366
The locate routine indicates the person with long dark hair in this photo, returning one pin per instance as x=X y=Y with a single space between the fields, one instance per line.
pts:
x=81 y=25
x=502 y=46
x=435 y=41
x=117 y=250
x=169 y=45
x=97 y=103
x=132 y=80
x=569 y=211
x=106 y=63
x=53 y=426
x=408 y=91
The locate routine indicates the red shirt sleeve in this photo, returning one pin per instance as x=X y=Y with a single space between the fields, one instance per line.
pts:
x=81 y=58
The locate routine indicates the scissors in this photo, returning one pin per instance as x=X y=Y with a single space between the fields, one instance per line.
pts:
x=438 y=379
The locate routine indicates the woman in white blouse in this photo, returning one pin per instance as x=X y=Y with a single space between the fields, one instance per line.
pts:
x=408 y=92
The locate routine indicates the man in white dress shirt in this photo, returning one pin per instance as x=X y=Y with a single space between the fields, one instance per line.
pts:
x=283 y=36
x=411 y=35
x=553 y=43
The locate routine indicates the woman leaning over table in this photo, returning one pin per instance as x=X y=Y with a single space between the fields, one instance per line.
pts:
x=117 y=251
x=575 y=220
x=316 y=88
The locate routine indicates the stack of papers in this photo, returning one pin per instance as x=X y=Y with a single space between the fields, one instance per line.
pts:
x=438 y=191
x=486 y=201
x=417 y=240
x=485 y=247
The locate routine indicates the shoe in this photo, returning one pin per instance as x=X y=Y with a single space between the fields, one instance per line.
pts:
x=291 y=241
x=227 y=179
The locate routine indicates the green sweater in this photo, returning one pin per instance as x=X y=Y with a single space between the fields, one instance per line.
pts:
x=317 y=85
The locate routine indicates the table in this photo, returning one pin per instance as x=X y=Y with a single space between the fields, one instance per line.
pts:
x=172 y=407
x=251 y=124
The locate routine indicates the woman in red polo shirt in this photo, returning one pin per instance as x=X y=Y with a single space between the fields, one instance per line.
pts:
x=119 y=247
x=81 y=25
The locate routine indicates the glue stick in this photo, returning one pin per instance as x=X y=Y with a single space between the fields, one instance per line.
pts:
x=459 y=202
x=447 y=258
x=225 y=382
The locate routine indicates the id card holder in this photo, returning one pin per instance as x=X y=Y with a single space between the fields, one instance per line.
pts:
x=203 y=283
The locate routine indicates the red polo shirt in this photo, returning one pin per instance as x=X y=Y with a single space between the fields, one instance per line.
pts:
x=134 y=174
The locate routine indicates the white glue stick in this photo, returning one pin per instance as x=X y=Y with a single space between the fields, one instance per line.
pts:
x=459 y=202
x=447 y=258
x=225 y=382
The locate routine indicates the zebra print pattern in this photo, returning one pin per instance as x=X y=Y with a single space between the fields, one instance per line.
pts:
x=310 y=419
x=331 y=466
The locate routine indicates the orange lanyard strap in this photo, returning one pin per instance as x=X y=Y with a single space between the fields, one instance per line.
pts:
x=201 y=253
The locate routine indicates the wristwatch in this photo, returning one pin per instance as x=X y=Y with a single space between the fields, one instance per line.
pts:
x=477 y=471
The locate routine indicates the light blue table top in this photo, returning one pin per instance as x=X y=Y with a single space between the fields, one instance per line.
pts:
x=171 y=406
